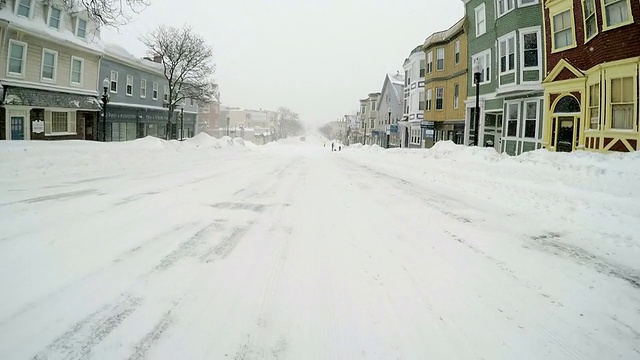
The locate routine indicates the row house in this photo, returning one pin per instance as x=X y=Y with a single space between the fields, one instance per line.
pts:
x=368 y=116
x=505 y=41
x=354 y=129
x=446 y=82
x=209 y=118
x=591 y=91
x=48 y=72
x=257 y=126
x=389 y=109
x=138 y=98
x=411 y=127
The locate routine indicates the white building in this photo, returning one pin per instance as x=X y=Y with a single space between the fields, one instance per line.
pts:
x=413 y=104
x=390 y=111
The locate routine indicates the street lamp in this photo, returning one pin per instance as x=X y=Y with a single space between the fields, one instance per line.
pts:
x=477 y=71
x=228 y=122
x=105 y=101
x=182 y=122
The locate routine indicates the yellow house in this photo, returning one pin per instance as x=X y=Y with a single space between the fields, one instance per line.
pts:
x=446 y=82
x=591 y=90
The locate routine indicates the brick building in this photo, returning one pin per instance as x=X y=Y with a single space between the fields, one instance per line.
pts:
x=591 y=88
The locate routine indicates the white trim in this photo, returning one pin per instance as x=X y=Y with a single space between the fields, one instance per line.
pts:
x=497 y=3
x=25 y=51
x=521 y=33
x=55 y=65
x=520 y=5
x=476 y=11
x=456 y=100
x=26 y=122
x=111 y=81
x=71 y=117
x=436 y=98
x=505 y=39
x=143 y=81
x=155 y=92
x=443 y=58
x=31 y=9
x=536 y=101
x=48 y=14
x=50 y=87
x=126 y=89
x=74 y=58
x=86 y=25
x=505 y=119
x=483 y=54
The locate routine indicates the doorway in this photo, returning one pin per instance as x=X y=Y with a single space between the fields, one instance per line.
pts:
x=17 y=127
x=565 y=134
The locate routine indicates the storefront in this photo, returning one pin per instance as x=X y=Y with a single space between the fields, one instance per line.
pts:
x=128 y=123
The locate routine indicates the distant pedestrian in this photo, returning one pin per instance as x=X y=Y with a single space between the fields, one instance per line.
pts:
x=332 y=147
x=339 y=147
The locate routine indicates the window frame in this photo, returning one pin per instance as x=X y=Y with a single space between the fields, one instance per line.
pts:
x=584 y=20
x=155 y=91
x=505 y=131
x=589 y=106
x=505 y=39
x=605 y=26
x=25 y=51
x=456 y=96
x=165 y=94
x=526 y=31
x=483 y=55
x=49 y=13
x=55 y=66
x=438 y=59
x=555 y=49
x=609 y=102
x=143 y=86
x=498 y=10
x=17 y=7
x=77 y=27
x=428 y=99
x=70 y=118
x=521 y=5
x=441 y=99
x=525 y=118
x=423 y=68
x=112 y=81
x=129 y=84
x=81 y=60
x=480 y=9
x=430 y=62
x=456 y=50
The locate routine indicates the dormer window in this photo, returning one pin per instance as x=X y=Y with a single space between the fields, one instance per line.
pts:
x=55 y=15
x=81 y=28
x=24 y=8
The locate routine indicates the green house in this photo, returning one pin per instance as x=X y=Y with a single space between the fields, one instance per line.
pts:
x=506 y=40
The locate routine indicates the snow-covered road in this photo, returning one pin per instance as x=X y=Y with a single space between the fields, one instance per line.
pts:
x=293 y=252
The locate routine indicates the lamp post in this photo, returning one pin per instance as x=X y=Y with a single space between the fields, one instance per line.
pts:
x=477 y=71
x=228 y=122
x=182 y=122
x=105 y=101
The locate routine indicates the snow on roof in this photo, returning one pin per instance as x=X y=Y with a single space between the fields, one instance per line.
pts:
x=118 y=52
x=396 y=78
x=445 y=35
x=40 y=28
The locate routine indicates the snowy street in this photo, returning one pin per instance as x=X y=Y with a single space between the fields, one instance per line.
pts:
x=196 y=250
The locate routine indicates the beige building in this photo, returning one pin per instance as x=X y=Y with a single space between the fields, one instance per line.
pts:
x=256 y=126
x=48 y=72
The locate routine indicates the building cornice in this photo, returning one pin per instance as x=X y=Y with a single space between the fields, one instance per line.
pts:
x=48 y=87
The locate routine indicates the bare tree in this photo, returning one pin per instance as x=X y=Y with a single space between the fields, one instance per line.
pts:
x=188 y=65
x=288 y=123
x=106 y=12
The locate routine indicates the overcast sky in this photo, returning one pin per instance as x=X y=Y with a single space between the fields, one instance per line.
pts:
x=317 y=57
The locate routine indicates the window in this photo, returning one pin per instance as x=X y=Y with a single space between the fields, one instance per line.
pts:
x=504 y=6
x=512 y=119
x=622 y=103
x=49 y=62
x=531 y=50
x=406 y=77
x=594 y=106
x=143 y=88
x=481 y=24
x=507 y=54
x=616 y=12
x=76 y=70
x=457 y=49
x=81 y=28
x=422 y=68
x=24 y=8
x=456 y=95
x=54 y=17
x=166 y=94
x=129 y=89
x=17 y=58
x=114 y=81
x=59 y=122
x=428 y=106
x=430 y=62
x=421 y=102
x=590 y=21
x=562 y=30
x=530 y=119
x=439 y=98
x=485 y=62
x=440 y=59
x=522 y=3
x=154 y=96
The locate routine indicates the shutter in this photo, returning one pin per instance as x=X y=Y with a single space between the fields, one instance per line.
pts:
x=47 y=122
x=72 y=119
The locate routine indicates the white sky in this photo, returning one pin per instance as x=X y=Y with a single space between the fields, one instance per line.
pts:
x=317 y=57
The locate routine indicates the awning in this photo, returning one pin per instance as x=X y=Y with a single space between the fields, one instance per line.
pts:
x=49 y=99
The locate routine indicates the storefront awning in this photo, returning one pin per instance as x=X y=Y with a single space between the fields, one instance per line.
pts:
x=49 y=99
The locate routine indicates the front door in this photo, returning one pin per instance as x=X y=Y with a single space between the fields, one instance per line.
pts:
x=565 y=134
x=17 y=128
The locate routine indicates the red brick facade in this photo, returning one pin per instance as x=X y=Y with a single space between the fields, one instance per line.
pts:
x=609 y=45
